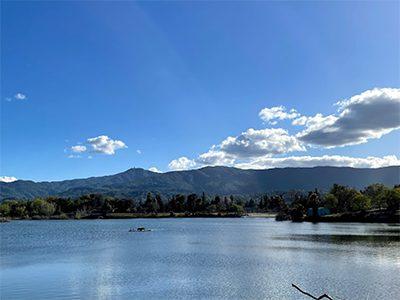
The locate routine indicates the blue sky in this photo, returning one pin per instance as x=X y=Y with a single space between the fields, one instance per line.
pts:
x=157 y=84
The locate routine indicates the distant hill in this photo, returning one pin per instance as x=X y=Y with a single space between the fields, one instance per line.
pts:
x=212 y=180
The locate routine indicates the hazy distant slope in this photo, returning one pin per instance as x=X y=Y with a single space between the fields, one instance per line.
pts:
x=212 y=180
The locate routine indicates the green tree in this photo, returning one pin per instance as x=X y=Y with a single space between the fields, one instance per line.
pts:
x=377 y=193
x=344 y=195
x=330 y=202
x=278 y=203
x=19 y=210
x=297 y=212
x=41 y=207
x=5 y=209
x=191 y=203
x=107 y=206
x=313 y=202
x=360 y=202
x=235 y=208
x=180 y=203
x=150 y=204
x=392 y=199
x=264 y=203
x=250 y=205
x=218 y=202
x=160 y=203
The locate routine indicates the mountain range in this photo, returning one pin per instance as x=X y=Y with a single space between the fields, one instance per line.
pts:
x=137 y=182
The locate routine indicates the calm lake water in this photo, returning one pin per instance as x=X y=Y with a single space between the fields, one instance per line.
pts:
x=245 y=258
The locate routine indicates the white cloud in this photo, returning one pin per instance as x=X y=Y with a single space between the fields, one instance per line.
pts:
x=17 y=96
x=249 y=144
x=270 y=115
x=314 y=123
x=78 y=148
x=254 y=143
x=369 y=115
x=214 y=158
x=155 y=170
x=20 y=96
x=74 y=156
x=182 y=163
x=138 y=151
x=103 y=144
x=300 y=121
x=7 y=179
x=326 y=160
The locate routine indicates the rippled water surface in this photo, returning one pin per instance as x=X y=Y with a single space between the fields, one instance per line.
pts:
x=197 y=258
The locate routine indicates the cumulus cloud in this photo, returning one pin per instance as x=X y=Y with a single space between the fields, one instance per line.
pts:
x=154 y=169
x=7 y=179
x=369 y=115
x=270 y=115
x=255 y=143
x=105 y=145
x=78 y=149
x=316 y=122
x=325 y=160
x=214 y=157
x=249 y=144
x=181 y=163
x=17 y=96
x=20 y=96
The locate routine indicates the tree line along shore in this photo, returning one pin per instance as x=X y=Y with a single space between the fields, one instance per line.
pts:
x=375 y=203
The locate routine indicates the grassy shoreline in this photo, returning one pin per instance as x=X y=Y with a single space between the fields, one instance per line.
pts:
x=128 y=216
x=261 y=215
x=359 y=217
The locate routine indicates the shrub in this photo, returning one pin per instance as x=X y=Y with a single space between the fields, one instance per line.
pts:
x=360 y=202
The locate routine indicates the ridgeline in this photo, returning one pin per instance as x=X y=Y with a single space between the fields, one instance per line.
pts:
x=211 y=180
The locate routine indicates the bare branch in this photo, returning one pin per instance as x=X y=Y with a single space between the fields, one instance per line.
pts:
x=311 y=296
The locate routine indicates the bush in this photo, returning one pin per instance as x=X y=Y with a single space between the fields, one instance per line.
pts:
x=392 y=199
x=235 y=208
x=79 y=215
x=297 y=213
x=63 y=217
x=360 y=202
x=42 y=208
x=5 y=209
x=330 y=202
x=282 y=216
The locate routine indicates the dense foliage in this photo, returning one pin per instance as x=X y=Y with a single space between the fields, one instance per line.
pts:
x=343 y=199
x=292 y=205
x=135 y=183
x=97 y=204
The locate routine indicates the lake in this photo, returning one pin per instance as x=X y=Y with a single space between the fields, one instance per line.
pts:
x=243 y=258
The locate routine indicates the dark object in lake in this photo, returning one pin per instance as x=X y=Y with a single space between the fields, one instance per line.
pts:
x=139 y=229
x=311 y=296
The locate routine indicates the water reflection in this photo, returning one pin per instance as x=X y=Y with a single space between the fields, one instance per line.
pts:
x=374 y=240
x=197 y=258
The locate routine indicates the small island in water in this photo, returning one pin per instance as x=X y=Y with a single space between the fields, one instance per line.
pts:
x=375 y=203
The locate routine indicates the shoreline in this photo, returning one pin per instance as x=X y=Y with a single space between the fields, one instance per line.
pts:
x=112 y=216
x=359 y=217
x=334 y=218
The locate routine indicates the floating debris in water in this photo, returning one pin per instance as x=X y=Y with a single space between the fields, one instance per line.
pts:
x=139 y=229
